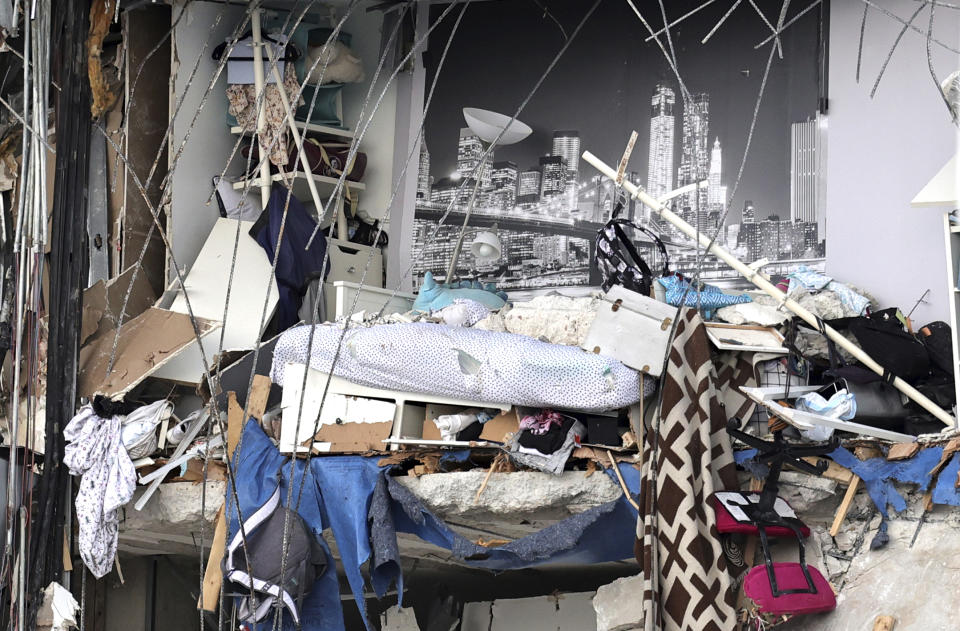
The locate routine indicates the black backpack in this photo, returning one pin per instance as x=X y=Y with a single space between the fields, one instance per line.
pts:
x=883 y=338
x=937 y=338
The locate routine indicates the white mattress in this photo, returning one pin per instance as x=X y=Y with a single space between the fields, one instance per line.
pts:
x=465 y=363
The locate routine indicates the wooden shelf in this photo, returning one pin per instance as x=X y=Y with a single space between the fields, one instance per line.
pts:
x=325 y=185
x=310 y=128
x=955 y=229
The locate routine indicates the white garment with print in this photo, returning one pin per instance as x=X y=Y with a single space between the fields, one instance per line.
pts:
x=95 y=452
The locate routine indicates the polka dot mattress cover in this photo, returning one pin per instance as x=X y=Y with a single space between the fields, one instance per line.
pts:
x=464 y=363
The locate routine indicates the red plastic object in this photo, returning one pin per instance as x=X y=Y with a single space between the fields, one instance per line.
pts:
x=789 y=576
x=727 y=523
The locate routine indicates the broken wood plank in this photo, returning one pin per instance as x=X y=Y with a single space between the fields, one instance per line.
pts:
x=835 y=472
x=866 y=453
x=213 y=575
x=903 y=451
x=257 y=401
x=234 y=422
x=884 y=623
x=844 y=506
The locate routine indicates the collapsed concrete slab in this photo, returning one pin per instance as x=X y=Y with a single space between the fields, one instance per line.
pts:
x=173 y=519
x=915 y=585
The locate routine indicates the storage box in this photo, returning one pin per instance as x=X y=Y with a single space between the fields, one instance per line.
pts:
x=633 y=329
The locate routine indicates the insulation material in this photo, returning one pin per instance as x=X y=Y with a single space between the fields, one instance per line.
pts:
x=207 y=285
x=146 y=344
x=553 y=318
x=466 y=364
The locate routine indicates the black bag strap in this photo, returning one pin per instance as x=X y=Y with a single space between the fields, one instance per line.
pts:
x=618 y=258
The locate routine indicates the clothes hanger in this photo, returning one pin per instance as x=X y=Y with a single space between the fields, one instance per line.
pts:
x=291 y=53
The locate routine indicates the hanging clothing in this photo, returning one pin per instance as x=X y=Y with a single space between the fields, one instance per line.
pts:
x=243 y=105
x=364 y=508
x=686 y=583
x=295 y=261
x=95 y=452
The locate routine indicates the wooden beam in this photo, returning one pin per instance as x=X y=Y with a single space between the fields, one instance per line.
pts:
x=213 y=575
x=844 y=506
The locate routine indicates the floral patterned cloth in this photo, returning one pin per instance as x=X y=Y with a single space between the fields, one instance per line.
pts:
x=243 y=105
x=95 y=451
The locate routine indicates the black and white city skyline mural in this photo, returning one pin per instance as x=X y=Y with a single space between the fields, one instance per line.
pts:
x=547 y=203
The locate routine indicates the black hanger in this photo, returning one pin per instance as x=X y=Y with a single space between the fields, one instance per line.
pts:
x=290 y=53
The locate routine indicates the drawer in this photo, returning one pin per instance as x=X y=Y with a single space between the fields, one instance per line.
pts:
x=347 y=262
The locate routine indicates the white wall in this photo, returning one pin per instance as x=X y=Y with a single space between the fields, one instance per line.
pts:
x=378 y=140
x=209 y=141
x=882 y=151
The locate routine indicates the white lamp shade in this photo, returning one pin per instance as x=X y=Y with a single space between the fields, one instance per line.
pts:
x=488 y=126
x=942 y=189
x=486 y=245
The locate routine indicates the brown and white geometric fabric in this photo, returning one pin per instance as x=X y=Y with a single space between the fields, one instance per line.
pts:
x=687 y=586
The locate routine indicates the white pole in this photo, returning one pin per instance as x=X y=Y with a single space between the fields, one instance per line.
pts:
x=757 y=279
x=260 y=85
x=297 y=139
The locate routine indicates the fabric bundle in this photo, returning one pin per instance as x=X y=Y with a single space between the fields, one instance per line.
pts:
x=548 y=452
x=95 y=452
x=450 y=425
x=243 y=105
x=542 y=422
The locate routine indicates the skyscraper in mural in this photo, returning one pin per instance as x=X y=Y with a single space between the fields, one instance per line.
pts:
x=660 y=159
x=423 y=177
x=804 y=162
x=469 y=154
x=553 y=176
x=715 y=192
x=529 y=187
x=694 y=156
x=504 y=179
x=567 y=145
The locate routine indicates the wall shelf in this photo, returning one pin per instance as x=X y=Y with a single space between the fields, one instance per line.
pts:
x=325 y=185
x=309 y=128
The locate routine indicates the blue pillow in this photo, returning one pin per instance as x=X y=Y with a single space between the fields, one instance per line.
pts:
x=711 y=297
x=434 y=296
